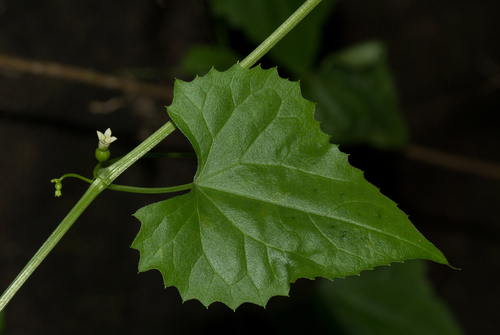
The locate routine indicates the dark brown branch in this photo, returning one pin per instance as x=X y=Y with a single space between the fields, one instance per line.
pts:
x=85 y=76
x=451 y=161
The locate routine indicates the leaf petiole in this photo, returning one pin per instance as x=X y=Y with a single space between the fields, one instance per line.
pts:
x=131 y=189
x=157 y=155
x=150 y=190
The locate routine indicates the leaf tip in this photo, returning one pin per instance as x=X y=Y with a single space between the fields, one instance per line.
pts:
x=454 y=268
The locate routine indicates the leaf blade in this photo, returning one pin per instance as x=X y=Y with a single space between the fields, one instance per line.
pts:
x=272 y=200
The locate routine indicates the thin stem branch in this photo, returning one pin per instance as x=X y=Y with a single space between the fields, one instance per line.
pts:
x=150 y=190
x=279 y=33
x=74 y=175
x=86 y=76
x=452 y=161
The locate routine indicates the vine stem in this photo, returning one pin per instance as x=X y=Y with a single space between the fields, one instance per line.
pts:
x=279 y=33
x=104 y=178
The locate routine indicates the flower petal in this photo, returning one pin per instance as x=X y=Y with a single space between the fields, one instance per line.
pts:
x=100 y=135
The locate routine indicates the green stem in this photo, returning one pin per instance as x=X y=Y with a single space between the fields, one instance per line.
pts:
x=150 y=190
x=170 y=155
x=74 y=175
x=157 y=155
x=279 y=33
x=135 y=189
x=97 y=167
x=104 y=178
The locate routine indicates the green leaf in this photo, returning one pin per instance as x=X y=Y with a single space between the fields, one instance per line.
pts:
x=201 y=59
x=389 y=300
x=272 y=200
x=357 y=99
x=259 y=18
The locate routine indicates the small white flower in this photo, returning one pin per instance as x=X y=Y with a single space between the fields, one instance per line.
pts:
x=105 y=139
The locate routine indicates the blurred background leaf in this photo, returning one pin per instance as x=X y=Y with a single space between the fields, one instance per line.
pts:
x=356 y=98
x=353 y=88
x=201 y=59
x=297 y=52
x=389 y=300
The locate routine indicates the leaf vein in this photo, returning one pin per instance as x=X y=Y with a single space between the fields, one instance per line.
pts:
x=246 y=234
x=269 y=201
x=326 y=238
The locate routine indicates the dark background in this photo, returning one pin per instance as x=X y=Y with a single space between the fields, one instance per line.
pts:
x=445 y=56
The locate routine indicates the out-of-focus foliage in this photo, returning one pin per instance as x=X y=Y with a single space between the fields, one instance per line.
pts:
x=353 y=88
x=258 y=19
x=396 y=299
x=357 y=99
x=201 y=59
